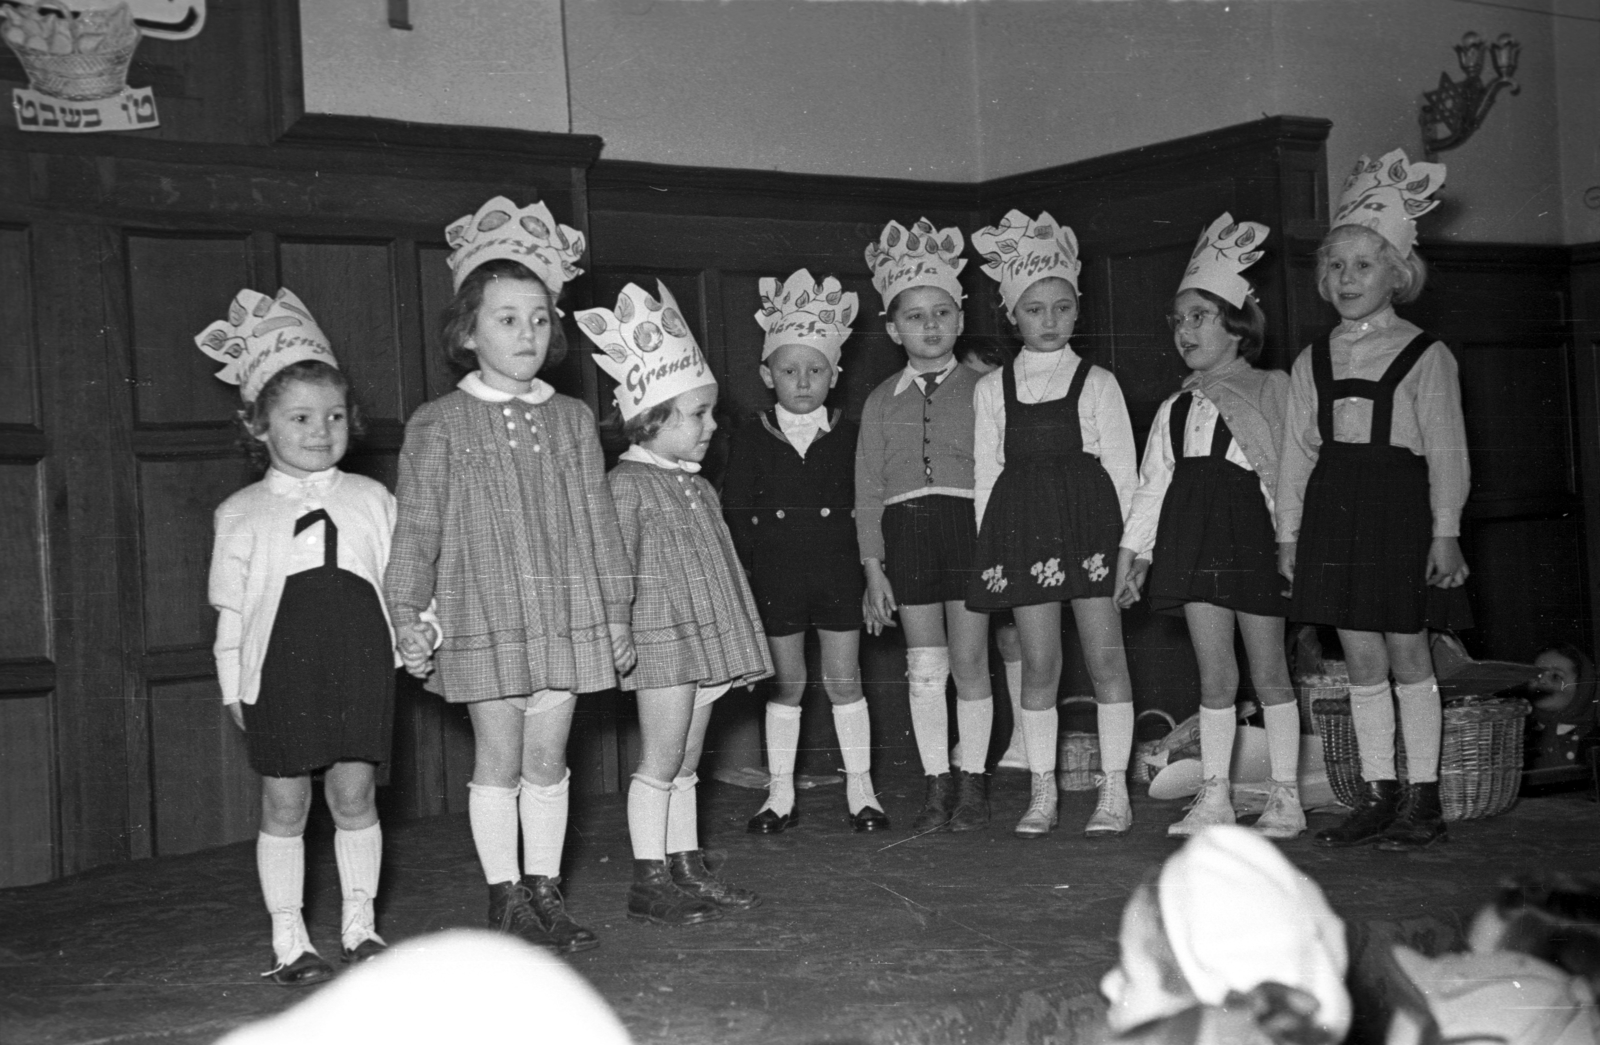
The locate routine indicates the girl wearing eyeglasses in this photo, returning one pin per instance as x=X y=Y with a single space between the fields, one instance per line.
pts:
x=1202 y=524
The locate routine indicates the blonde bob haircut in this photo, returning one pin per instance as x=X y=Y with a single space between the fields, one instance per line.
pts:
x=1411 y=272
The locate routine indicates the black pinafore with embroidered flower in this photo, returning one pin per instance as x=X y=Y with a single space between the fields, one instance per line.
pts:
x=1215 y=542
x=1362 y=556
x=1053 y=522
x=327 y=683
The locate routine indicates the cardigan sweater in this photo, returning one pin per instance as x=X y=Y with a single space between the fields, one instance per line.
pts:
x=1427 y=417
x=256 y=550
x=910 y=446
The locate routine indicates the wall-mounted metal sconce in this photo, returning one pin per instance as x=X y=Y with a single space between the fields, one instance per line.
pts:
x=1454 y=110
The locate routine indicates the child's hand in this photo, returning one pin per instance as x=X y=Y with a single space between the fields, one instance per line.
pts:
x=236 y=712
x=415 y=644
x=877 y=603
x=1130 y=578
x=1446 y=567
x=1286 y=560
x=622 y=651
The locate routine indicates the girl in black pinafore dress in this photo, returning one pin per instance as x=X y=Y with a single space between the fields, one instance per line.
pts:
x=1373 y=480
x=1053 y=470
x=1202 y=523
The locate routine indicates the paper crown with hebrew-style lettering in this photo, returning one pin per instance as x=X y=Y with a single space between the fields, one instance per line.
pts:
x=920 y=256
x=801 y=311
x=260 y=337
x=1225 y=249
x=1388 y=195
x=646 y=347
x=530 y=235
x=1020 y=251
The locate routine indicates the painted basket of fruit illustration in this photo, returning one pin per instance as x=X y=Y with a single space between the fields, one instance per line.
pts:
x=78 y=57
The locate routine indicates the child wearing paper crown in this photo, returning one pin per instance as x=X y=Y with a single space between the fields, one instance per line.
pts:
x=914 y=515
x=695 y=623
x=1054 y=475
x=505 y=517
x=787 y=495
x=305 y=656
x=1204 y=505
x=1370 y=490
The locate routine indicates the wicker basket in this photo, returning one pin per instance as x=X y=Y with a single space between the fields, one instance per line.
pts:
x=77 y=77
x=1332 y=681
x=1480 y=760
x=1078 y=761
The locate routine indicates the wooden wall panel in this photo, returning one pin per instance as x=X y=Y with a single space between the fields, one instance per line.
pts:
x=210 y=796
x=27 y=816
x=1528 y=585
x=178 y=286
x=19 y=381
x=177 y=499
x=349 y=288
x=25 y=611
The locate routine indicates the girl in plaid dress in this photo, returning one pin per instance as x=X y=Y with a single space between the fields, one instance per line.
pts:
x=696 y=626
x=504 y=517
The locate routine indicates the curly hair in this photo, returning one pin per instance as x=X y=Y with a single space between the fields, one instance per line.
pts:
x=253 y=417
x=1410 y=270
x=460 y=318
x=645 y=426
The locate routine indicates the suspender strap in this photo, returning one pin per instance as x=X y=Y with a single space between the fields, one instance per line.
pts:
x=1383 y=405
x=1380 y=392
x=330 y=534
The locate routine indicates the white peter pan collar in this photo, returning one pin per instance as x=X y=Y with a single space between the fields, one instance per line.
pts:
x=643 y=456
x=475 y=386
x=792 y=422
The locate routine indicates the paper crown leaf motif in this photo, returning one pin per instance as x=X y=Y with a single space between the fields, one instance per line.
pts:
x=802 y=311
x=1020 y=251
x=531 y=235
x=1225 y=249
x=921 y=256
x=1388 y=195
x=260 y=337
x=646 y=347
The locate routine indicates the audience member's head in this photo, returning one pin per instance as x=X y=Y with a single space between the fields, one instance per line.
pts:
x=464 y=985
x=1230 y=928
x=1552 y=917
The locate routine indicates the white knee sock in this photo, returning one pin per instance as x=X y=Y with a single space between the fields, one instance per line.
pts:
x=648 y=804
x=281 y=864
x=492 y=812
x=683 y=823
x=1422 y=721
x=927 y=671
x=543 y=811
x=1372 y=716
x=1039 y=729
x=783 y=742
x=1283 y=740
x=854 y=728
x=975 y=720
x=1014 y=691
x=1115 y=726
x=359 y=854
x=1218 y=727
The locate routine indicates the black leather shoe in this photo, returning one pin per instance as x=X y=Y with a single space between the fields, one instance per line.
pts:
x=364 y=951
x=689 y=873
x=566 y=935
x=871 y=818
x=1367 y=822
x=937 y=803
x=305 y=971
x=972 y=802
x=655 y=897
x=1420 y=822
x=511 y=912
x=768 y=822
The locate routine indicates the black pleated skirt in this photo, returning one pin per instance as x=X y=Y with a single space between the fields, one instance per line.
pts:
x=1362 y=557
x=1050 y=534
x=1215 y=542
x=327 y=684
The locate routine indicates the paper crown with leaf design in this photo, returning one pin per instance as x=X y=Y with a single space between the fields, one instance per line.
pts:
x=1021 y=251
x=921 y=256
x=530 y=235
x=802 y=311
x=1225 y=249
x=1388 y=195
x=260 y=337
x=646 y=347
